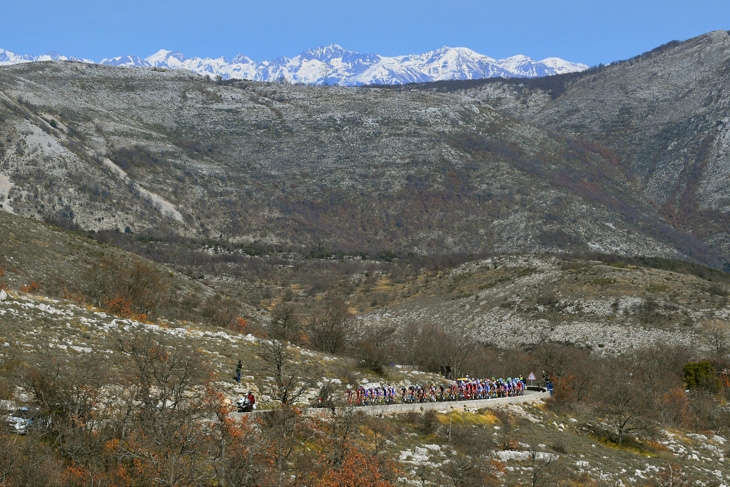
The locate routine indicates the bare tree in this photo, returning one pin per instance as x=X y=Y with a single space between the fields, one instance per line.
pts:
x=241 y=456
x=457 y=350
x=329 y=326
x=291 y=380
x=163 y=421
x=374 y=347
x=671 y=475
x=220 y=311
x=285 y=324
x=620 y=399
x=128 y=285
x=472 y=463
x=28 y=461
x=539 y=463
x=428 y=346
x=285 y=428
x=717 y=337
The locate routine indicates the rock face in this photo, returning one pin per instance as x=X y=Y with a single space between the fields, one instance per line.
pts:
x=147 y=150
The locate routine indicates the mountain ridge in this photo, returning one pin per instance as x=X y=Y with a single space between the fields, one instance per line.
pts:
x=335 y=65
x=506 y=166
x=228 y=158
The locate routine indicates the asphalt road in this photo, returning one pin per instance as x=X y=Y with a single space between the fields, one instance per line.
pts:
x=445 y=406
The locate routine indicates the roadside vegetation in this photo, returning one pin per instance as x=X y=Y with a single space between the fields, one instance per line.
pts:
x=138 y=403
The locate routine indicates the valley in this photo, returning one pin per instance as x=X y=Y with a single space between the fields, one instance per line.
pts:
x=157 y=226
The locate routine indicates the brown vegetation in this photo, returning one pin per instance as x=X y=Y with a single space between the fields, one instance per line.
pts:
x=127 y=288
x=151 y=425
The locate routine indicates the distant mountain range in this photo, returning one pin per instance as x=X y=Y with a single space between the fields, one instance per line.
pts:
x=334 y=65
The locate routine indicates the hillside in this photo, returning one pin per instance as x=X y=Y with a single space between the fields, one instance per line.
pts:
x=653 y=314
x=165 y=153
x=157 y=227
x=88 y=355
x=41 y=330
x=611 y=307
x=64 y=264
x=664 y=112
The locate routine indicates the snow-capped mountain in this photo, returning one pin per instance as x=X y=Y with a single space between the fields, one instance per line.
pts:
x=129 y=61
x=335 y=65
x=7 y=57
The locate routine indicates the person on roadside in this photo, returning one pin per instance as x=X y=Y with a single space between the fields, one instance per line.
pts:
x=251 y=400
x=239 y=366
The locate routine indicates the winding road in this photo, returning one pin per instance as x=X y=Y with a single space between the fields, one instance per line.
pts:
x=444 y=406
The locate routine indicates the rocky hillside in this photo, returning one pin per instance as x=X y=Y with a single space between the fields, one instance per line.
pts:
x=611 y=307
x=58 y=263
x=666 y=113
x=70 y=334
x=353 y=169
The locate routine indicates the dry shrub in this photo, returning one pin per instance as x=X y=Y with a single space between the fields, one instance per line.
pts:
x=239 y=325
x=122 y=306
x=411 y=418
x=28 y=462
x=126 y=287
x=671 y=474
x=359 y=468
x=30 y=288
x=374 y=348
x=74 y=296
x=429 y=422
x=219 y=311
x=473 y=463
x=7 y=391
x=564 y=395
x=673 y=406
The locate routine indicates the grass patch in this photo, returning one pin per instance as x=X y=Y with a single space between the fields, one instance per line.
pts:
x=468 y=418
x=603 y=281
x=658 y=288
x=630 y=444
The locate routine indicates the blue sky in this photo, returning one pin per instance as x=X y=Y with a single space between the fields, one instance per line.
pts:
x=588 y=31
